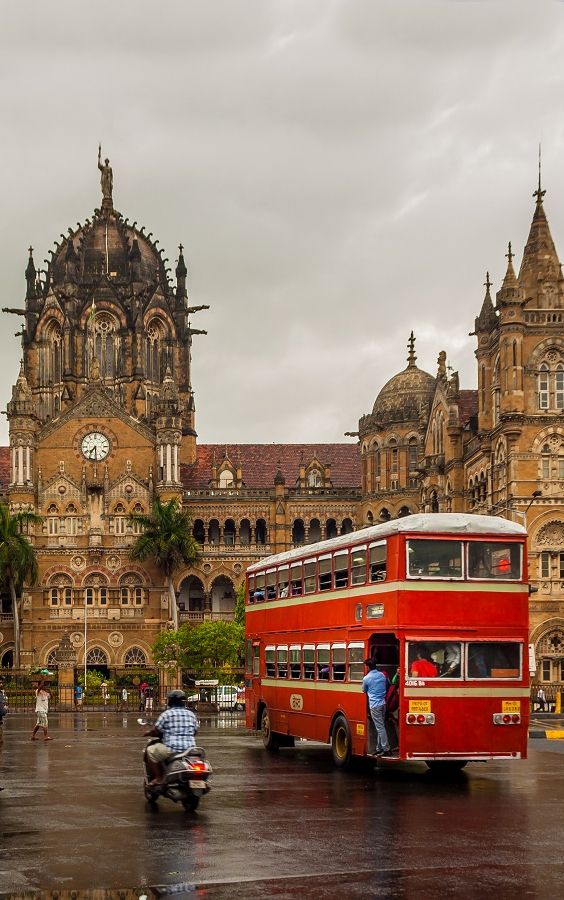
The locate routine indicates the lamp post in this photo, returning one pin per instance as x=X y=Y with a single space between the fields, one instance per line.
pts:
x=85 y=634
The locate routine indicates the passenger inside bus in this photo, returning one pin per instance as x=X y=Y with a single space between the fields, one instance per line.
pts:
x=423 y=666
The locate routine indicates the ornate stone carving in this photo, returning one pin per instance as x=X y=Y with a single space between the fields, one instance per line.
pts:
x=552 y=643
x=551 y=534
x=78 y=562
x=77 y=639
x=115 y=639
x=65 y=653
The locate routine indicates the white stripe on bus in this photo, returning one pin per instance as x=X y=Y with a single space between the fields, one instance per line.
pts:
x=430 y=692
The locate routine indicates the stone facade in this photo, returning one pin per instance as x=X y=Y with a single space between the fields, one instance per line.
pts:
x=102 y=421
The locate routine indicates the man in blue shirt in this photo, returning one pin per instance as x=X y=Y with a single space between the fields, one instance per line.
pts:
x=176 y=728
x=375 y=685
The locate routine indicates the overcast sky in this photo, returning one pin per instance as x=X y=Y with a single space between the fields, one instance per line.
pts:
x=339 y=173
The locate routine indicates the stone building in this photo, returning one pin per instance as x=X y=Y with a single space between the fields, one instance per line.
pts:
x=102 y=420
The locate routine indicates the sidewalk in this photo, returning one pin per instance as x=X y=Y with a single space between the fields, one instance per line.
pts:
x=547 y=725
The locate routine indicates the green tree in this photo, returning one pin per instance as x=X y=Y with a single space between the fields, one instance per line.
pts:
x=208 y=650
x=240 y=605
x=18 y=562
x=166 y=537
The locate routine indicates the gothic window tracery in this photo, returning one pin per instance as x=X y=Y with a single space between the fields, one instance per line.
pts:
x=135 y=657
x=550 y=382
x=104 y=345
x=96 y=657
x=156 y=359
x=225 y=479
x=131 y=590
x=96 y=590
x=551 y=460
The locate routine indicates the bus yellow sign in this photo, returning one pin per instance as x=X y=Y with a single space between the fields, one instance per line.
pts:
x=511 y=706
x=359 y=728
x=420 y=706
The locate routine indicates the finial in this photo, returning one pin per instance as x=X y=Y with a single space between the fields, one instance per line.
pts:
x=30 y=248
x=411 y=347
x=487 y=282
x=180 y=247
x=509 y=253
x=539 y=193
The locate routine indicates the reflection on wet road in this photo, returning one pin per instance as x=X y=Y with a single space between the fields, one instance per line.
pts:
x=73 y=818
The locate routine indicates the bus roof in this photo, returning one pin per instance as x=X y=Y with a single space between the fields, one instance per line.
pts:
x=422 y=523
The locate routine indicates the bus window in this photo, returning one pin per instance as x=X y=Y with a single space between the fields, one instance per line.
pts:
x=251 y=589
x=324 y=573
x=434 y=559
x=338 y=662
x=283 y=581
x=356 y=662
x=323 y=662
x=259 y=587
x=256 y=659
x=378 y=562
x=296 y=579
x=358 y=566
x=248 y=657
x=282 y=662
x=494 y=559
x=434 y=659
x=271 y=585
x=309 y=576
x=309 y=661
x=295 y=661
x=420 y=663
x=269 y=664
x=494 y=659
x=341 y=569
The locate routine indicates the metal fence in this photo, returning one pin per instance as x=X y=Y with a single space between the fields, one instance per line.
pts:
x=20 y=687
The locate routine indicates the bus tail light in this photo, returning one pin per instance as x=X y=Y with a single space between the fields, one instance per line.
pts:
x=420 y=718
x=506 y=719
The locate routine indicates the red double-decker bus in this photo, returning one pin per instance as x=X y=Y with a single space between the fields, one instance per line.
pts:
x=440 y=600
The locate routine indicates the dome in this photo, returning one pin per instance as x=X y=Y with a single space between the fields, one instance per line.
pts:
x=401 y=397
x=107 y=245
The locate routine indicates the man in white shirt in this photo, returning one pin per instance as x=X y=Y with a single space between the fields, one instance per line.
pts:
x=42 y=696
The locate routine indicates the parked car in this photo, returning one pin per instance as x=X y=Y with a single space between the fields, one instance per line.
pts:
x=226 y=696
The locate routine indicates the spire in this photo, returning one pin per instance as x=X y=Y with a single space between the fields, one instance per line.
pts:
x=30 y=277
x=509 y=291
x=487 y=320
x=540 y=261
x=181 y=273
x=411 y=357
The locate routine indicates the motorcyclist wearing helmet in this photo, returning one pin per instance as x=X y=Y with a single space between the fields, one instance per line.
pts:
x=176 y=727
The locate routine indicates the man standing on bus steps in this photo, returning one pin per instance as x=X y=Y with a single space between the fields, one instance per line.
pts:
x=375 y=685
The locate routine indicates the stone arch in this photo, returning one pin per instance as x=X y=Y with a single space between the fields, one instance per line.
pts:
x=347 y=526
x=314 y=531
x=245 y=532
x=298 y=531
x=404 y=511
x=7 y=652
x=222 y=595
x=199 y=531
x=331 y=528
x=549 y=534
x=135 y=655
x=191 y=595
x=49 y=648
x=100 y=644
x=542 y=348
x=545 y=436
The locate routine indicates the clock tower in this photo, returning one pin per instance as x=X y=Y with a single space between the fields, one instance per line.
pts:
x=101 y=419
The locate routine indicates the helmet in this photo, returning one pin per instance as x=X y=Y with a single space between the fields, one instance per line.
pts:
x=176 y=698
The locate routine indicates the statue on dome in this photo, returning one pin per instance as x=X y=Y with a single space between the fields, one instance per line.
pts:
x=106 y=178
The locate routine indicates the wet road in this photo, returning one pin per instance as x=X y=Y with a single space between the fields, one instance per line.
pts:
x=73 y=817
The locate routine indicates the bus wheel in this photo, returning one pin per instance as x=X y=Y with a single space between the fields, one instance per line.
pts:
x=341 y=744
x=269 y=738
x=446 y=766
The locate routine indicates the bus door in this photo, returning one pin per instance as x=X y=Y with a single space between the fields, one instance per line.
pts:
x=385 y=649
x=252 y=680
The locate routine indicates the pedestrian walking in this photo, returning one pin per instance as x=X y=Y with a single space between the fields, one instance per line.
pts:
x=105 y=692
x=42 y=696
x=148 y=698
x=78 y=694
x=541 y=699
x=124 y=698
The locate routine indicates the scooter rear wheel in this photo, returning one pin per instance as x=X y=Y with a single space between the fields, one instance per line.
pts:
x=190 y=804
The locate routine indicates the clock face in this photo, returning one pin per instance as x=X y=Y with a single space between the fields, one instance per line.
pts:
x=95 y=446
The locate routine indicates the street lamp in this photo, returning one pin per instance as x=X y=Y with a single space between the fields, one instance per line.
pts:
x=85 y=632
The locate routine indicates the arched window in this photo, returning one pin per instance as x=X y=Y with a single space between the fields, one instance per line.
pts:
x=229 y=533
x=298 y=532
x=51 y=660
x=120 y=521
x=385 y=515
x=106 y=344
x=369 y=517
x=404 y=511
x=347 y=526
x=559 y=387
x=213 y=532
x=331 y=528
x=52 y=520
x=60 y=590
x=96 y=657
x=199 y=531
x=71 y=520
x=314 y=478
x=135 y=657
x=496 y=391
x=156 y=356
x=434 y=502
x=54 y=358
x=314 y=533
x=96 y=590
x=245 y=532
x=412 y=454
x=545 y=462
x=225 y=479
x=131 y=590
x=544 y=392
x=260 y=532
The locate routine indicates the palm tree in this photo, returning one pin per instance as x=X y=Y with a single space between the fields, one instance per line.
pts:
x=18 y=562
x=167 y=537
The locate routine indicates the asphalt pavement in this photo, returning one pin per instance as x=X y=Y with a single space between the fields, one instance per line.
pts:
x=74 y=821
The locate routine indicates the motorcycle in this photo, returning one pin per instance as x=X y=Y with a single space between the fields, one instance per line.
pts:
x=185 y=778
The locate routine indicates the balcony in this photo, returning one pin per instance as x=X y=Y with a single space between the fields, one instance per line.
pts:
x=207 y=616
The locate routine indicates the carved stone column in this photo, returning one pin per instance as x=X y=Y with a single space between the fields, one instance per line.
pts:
x=66 y=661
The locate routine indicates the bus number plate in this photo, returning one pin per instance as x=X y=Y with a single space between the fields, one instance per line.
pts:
x=511 y=706
x=296 y=702
x=420 y=706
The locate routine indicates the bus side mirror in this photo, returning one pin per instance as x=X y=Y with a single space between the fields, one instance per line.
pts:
x=532 y=589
